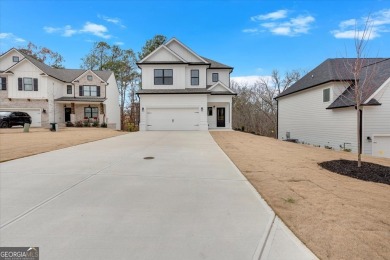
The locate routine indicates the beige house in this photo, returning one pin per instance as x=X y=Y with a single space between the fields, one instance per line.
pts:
x=52 y=95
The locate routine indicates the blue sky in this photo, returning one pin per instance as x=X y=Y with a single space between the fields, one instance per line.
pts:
x=254 y=37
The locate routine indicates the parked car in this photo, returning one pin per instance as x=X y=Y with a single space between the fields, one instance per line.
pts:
x=10 y=119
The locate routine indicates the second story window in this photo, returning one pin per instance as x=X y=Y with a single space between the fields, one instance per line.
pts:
x=194 y=77
x=326 y=95
x=163 y=77
x=15 y=58
x=69 y=89
x=91 y=91
x=215 y=77
x=27 y=84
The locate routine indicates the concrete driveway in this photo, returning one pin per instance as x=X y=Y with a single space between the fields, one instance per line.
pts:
x=103 y=200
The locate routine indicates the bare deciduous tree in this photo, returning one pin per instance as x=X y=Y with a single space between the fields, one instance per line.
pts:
x=254 y=107
x=362 y=71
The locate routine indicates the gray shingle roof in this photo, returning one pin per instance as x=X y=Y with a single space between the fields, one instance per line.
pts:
x=329 y=70
x=216 y=65
x=65 y=75
x=374 y=74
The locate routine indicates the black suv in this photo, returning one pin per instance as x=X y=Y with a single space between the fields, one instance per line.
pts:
x=9 y=119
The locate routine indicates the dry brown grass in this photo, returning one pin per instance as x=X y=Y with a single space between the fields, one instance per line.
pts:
x=337 y=217
x=16 y=144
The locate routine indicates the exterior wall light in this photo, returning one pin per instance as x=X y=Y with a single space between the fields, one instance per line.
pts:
x=143 y=109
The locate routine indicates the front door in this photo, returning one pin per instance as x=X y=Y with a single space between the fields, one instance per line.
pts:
x=220 y=117
x=68 y=110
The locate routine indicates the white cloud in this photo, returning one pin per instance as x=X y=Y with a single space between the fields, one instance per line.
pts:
x=68 y=31
x=89 y=28
x=270 y=16
x=278 y=23
x=119 y=43
x=250 y=30
x=11 y=37
x=250 y=80
x=378 y=23
x=113 y=20
x=95 y=29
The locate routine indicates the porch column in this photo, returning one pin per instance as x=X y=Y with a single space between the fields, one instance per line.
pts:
x=230 y=114
x=101 y=113
x=72 y=113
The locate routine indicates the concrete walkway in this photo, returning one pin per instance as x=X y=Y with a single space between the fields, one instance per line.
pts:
x=103 y=200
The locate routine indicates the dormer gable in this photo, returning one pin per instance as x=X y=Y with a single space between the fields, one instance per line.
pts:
x=220 y=87
x=89 y=77
x=10 y=58
x=183 y=51
x=162 y=54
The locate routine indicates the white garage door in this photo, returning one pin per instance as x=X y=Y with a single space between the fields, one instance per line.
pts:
x=35 y=114
x=381 y=146
x=172 y=119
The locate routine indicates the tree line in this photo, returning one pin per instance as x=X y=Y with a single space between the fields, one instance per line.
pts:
x=254 y=107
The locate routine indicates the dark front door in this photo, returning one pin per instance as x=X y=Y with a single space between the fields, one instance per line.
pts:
x=220 y=117
x=68 y=110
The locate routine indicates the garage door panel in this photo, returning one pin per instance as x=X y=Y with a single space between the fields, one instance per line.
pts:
x=173 y=119
x=34 y=113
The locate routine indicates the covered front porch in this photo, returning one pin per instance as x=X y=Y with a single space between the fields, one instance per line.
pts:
x=219 y=115
x=81 y=111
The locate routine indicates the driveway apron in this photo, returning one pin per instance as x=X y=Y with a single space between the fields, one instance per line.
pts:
x=144 y=195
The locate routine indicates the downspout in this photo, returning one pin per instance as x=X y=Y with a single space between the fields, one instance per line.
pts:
x=277 y=119
x=361 y=130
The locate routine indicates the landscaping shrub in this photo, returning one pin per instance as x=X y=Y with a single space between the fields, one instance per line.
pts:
x=104 y=125
x=79 y=124
x=86 y=123
x=95 y=124
x=69 y=124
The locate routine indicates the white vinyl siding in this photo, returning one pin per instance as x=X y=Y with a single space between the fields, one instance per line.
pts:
x=376 y=119
x=305 y=116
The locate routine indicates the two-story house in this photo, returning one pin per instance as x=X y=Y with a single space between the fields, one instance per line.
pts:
x=184 y=91
x=319 y=109
x=52 y=95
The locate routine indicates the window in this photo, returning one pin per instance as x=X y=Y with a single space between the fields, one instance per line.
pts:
x=215 y=77
x=91 y=112
x=163 y=77
x=209 y=111
x=27 y=84
x=90 y=91
x=15 y=58
x=69 y=89
x=194 y=77
x=3 y=83
x=89 y=77
x=326 y=95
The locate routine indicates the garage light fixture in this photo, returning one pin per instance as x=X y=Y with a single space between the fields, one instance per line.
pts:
x=44 y=111
x=142 y=109
x=201 y=109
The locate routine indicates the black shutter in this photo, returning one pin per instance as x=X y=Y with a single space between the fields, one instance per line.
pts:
x=98 y=91
x=35 y=84
x=81 y=91
x=4 y=83
x=20 y=84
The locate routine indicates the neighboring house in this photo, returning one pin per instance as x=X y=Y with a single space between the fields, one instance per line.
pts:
x=184 y=91
x=52 y=95
x=319 y=108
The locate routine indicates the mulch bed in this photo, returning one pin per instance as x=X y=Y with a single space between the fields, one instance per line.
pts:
x=367 y=172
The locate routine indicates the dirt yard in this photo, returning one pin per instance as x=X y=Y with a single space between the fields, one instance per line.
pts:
x=336 y=216
x=16 y=144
